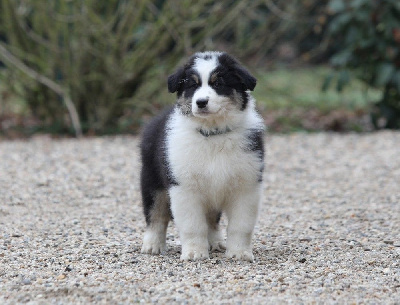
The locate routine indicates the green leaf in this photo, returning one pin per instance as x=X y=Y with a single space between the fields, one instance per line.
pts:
x=395 y=3
x=336 y=6
x=356 y=4
x=342 y=58
x=353 y=34
x=384 y=74
x=340 y=22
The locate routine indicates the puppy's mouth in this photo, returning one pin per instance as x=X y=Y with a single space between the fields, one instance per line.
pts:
x=205 y=112
x=202 y=112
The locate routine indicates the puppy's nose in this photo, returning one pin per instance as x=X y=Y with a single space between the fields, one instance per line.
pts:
x=202 y=102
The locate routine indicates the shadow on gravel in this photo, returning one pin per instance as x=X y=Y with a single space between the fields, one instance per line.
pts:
x=265 y=256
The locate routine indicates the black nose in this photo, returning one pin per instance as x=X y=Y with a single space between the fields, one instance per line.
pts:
x=202 y=102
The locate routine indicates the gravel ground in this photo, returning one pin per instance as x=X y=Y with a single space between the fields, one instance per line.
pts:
x=329 y=228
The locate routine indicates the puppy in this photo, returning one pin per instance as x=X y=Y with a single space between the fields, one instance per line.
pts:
x=202 y=157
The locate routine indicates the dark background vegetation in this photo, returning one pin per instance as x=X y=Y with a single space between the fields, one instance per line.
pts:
x=100 y=67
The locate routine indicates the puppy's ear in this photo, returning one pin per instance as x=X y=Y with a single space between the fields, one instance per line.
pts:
x=249 y=81
x=175 y=80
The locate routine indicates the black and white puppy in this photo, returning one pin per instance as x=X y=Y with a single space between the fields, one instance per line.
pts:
x=203 y=157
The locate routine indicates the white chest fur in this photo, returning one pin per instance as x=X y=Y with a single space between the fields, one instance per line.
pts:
x=217 y=166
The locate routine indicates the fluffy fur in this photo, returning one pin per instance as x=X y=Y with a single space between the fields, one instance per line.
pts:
x=202 y=157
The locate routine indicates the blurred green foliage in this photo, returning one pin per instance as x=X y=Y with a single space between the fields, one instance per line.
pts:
x=300 y=88
x=107 y=61
x=366 y=34
x=292 y=100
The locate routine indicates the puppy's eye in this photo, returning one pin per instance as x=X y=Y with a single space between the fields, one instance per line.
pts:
x=192 y=84
x=217 y=82
x=193 y=81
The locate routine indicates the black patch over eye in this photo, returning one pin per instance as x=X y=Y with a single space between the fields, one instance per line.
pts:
x=216 y=80
x=191 y=83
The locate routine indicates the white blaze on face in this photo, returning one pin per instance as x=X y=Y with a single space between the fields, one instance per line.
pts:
x=204 y=69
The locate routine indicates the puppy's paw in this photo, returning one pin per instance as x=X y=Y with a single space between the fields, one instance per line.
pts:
x=243 y=255
x=152 y=248
x=194 y=254
x=218 y=246
x=216 y=241
x=153 y=243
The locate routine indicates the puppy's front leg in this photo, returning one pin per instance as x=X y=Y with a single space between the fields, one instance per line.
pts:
x=190 y=219
x=242 y=215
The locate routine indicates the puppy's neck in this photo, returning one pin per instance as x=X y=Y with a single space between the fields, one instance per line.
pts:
x=214 y=131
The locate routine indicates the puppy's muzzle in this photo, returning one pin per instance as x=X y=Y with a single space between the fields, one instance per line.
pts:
x=202 y=103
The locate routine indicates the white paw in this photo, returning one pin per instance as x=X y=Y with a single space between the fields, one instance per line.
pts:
x=194 y=253
x=243 y=255
x=153 y=243
x=152 y=248
x=218 y=246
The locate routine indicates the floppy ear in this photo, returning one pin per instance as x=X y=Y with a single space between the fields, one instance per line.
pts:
x=249 y=82
x=175 y=80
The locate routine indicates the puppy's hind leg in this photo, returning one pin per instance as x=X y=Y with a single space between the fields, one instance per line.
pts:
x=157 y=217
x=215 y=239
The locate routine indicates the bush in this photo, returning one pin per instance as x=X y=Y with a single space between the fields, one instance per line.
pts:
x=99 y=53
x=101 y=65
x=366 y=34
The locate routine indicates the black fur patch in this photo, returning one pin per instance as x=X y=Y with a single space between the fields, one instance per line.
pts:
x=255 y=141
x=155 y=173
x=255 y=144
x=247 y=80
x=176 y=81
x=190 y=85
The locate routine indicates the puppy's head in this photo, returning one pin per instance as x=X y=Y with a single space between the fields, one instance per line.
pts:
x=211 y=84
